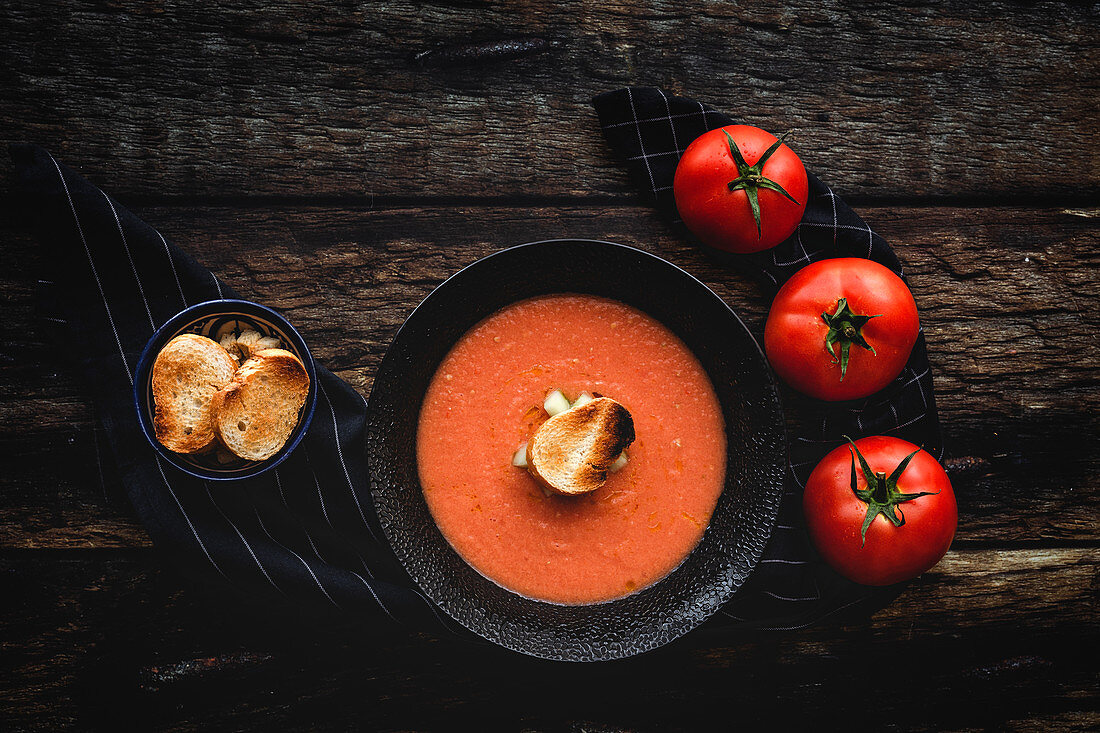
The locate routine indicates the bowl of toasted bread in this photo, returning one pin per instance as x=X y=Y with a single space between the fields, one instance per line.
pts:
x=225 y=389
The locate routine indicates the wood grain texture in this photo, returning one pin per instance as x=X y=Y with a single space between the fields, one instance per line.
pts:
x=300 y=152
x=92 y=642
x=891 y=99
x=1007 y=298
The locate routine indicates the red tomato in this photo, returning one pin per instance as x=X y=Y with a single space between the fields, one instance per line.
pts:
x=841 y=329
x=741 y=196
x=895 y=530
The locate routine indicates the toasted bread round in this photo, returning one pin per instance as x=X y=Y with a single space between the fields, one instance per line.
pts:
x=571 y=452
x=256 y=412
x=186 y=374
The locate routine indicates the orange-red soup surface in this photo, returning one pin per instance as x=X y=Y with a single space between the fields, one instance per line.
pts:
x=485 y=401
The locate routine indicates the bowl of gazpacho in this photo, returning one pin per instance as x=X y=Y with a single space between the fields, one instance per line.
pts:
x=576 y=449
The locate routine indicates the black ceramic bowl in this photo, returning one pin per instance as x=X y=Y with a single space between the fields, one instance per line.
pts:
x=214 y=319
x=746 y=511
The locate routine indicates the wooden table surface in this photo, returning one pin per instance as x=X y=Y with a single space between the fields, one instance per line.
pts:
x=296 y=150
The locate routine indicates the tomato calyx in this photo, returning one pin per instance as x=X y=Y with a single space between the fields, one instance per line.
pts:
x=751 y=177
x=881 y=495
x=844 y=327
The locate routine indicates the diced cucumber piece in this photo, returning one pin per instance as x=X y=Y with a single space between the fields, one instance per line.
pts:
x=520 y=458
x=618 y=464
x=555 y=403
x=584 y=399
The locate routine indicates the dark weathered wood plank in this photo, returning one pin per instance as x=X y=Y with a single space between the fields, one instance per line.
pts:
x=897 y=98
x=1007 y=297
x=115 y=644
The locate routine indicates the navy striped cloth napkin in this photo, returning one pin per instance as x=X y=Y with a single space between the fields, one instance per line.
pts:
x=791 y=587
x=304 y=532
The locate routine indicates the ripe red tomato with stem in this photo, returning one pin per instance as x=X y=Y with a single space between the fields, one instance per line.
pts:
x=841 y=329
x=890 y=521
x=740 y=189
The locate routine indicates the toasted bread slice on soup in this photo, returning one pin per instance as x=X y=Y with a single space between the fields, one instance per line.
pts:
x=572 y=452
x=187 y=373
x=257 y=411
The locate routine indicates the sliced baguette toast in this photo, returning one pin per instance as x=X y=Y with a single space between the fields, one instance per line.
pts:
x=572 y=451
x=255 y=413
x=243 y=346
x=252 y=342
x=186 y=374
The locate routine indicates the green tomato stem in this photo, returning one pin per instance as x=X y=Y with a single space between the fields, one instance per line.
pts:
x=751 y=177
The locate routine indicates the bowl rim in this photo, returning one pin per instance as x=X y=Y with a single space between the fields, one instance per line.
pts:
x=143 y=373
x=771 y=385
x=771 y=373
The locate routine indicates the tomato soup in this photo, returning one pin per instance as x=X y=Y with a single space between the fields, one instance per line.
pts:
x=485 y=401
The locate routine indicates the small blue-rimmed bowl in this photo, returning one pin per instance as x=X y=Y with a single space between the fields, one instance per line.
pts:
x=214 y=319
